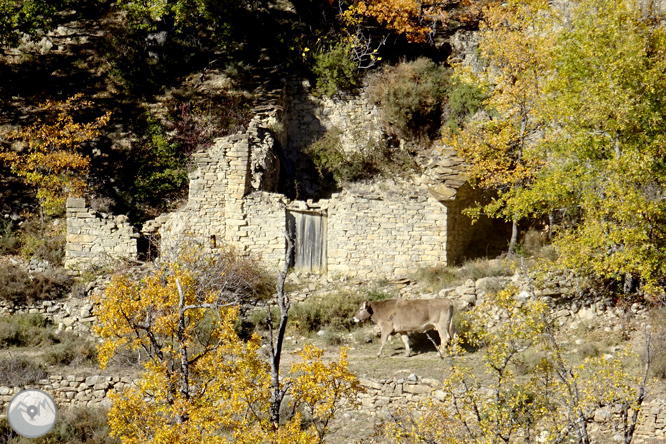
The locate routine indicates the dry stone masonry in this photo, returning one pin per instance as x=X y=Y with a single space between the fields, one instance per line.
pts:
x=73 y=390
x=307 y=117
x=387 y=395
x=379 y=229
x=95 y=239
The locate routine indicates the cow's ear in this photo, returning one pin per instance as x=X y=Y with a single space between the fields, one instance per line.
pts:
x=367 y=307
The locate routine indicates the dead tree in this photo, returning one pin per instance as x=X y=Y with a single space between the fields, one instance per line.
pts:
x=279 y=390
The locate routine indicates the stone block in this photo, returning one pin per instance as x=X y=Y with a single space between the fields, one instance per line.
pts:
x=417 y=389
x=370 y=384
x=76 y=202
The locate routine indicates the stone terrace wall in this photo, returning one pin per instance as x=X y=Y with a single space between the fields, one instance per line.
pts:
x=387 y=395
x=71 y=390
x=385 y=234
x=307 y=117
x=381 y=397
x=95 y=239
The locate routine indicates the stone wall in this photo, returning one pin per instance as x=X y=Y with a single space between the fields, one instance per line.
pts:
x=387 y=395
x=381 y=398
x=232 y=196
x=67 y=314
x=96 y=238
x=266 y=227
x=385 y=234
x=72 y=390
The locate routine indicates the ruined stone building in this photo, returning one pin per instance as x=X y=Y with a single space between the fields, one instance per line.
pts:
x=384 y=229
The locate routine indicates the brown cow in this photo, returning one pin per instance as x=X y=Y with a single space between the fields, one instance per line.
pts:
x=409 y=316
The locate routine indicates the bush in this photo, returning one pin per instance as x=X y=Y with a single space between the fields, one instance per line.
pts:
x=480 y=268
x=463 y=100
x=438 y=276
x=442 y=276
x=71 y=349
x=20 y=287
x=24 y=330
x=335 y=311
x=20 y=371
x=157 y=173
x=410 y=97
x=335 y=70
x=74 y=426
x=372 y=158
x=9 y=241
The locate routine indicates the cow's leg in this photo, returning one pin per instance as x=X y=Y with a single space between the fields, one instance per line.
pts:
x=451 y=329
x=441 y=341
x=385 y=336
x=405 y=339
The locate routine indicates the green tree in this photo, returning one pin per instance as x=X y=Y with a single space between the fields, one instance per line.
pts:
x=577 y=132
x=24 y=16
x=190 y=18
x=606 y=102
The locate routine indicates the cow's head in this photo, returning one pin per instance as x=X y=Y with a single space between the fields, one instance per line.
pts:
x=364 y=312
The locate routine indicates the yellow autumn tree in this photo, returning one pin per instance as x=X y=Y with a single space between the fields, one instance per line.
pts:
x=575 y=132
x=51 y=159
x=500 y=148
x=200 y=381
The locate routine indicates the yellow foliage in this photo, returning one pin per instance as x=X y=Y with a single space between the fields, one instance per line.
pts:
x=50 y=160
x=418 y=19
x=200 y=382
x=575 y=130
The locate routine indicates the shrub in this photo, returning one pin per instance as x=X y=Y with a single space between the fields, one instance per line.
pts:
x=9 y=241
x=71 y=349
x=480 y=268
x=20 y=371
x=74 y=426
x=24 y=330
x=442 y=276
x=371 y=158
x=335 y=311
x=335 y=70
x=20 y=287
x=410 y=97
x=51 y=249
x=42 y=240
x=438 y=276
x=332 y=337
x=463 y=100
x=157 y=172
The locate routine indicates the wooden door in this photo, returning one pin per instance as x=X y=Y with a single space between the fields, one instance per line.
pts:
x=309 y=231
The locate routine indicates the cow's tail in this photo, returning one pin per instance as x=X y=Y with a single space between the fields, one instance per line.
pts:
x=452 y=329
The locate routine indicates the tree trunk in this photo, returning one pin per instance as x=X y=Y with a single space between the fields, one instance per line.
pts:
x=514 y=236
x=277 y=391
x=184 y=364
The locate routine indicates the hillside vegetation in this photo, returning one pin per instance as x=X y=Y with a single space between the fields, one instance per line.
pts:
x=558 y=110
